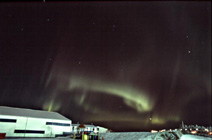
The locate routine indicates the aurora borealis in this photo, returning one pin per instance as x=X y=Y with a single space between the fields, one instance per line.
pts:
x=127 y=66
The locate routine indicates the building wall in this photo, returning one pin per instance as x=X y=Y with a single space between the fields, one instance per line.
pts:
x=15 y=126
x=75 y=130
x=102 y=129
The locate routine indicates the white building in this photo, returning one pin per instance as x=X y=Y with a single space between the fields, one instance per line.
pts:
x=102 y=129
x=17 y=122
x=83 y=127
x=86 y=127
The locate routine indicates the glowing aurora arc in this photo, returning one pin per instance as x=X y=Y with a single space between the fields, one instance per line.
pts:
x=133 y=97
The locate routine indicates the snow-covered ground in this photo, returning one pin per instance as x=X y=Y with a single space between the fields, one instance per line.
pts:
x=193 y=137
x=129 y=136
x=148 y=136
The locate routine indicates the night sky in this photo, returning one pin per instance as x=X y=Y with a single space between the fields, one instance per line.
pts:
x=127 y=66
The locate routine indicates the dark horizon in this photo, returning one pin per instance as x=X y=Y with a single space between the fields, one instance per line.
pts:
x=127 y=66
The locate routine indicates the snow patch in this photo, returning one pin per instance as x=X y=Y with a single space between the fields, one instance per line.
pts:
x=128 y=136
x=194 y=137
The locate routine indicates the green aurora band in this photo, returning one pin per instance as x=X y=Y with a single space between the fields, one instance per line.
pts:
x=132 y=96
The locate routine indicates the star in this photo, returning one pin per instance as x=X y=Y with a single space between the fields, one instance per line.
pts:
x=189 y=51
x=187 y=36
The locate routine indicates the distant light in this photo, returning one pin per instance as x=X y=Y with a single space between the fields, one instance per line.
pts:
x=154 y=131
x=186 y=129
x=193 y=132
x=150 y=119
x=163 y=130
x=197 y=129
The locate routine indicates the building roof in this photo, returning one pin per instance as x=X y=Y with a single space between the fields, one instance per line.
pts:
x=86 y=125
x=12 y=111
x=81 y=126
x=75 y=124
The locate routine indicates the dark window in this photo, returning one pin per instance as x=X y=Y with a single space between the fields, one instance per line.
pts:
x=58 y=124
x=66 y=133
x=30 y=131
x=8 y=120
x=58 y=135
